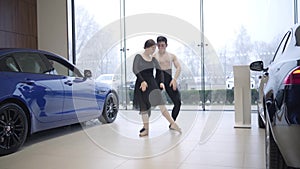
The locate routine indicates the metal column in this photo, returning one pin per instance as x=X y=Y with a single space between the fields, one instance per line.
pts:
x=202 y=54
x=295 y=11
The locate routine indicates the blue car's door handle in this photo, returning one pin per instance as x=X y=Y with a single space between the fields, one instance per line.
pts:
x=68 y=82
x=29 y=82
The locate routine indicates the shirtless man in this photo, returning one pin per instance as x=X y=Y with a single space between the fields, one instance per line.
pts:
x=166 y=60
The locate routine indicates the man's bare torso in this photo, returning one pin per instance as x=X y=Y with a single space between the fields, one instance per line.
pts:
x=165 y=60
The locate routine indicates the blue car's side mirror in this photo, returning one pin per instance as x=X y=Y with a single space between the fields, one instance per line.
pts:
x=87 y=73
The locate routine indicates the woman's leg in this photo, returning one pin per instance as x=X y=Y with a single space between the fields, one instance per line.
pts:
x=145 y=119
x=167 y=115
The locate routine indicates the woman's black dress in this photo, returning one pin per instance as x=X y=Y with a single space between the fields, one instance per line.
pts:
x=144 y=70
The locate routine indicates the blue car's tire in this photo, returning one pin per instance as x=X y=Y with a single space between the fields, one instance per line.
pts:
x=13 y=128
x=110 y=109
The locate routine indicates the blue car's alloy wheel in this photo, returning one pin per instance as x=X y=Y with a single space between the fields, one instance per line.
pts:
x=110 y=109
x=13 y=128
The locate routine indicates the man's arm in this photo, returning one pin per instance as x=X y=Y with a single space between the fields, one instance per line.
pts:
x=177 y=66
x=176 y=63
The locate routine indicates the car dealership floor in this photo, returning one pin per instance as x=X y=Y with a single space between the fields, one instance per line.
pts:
x=209 y=141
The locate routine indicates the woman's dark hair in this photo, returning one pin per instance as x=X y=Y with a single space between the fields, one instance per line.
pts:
x=149 y=43
x=161 y=39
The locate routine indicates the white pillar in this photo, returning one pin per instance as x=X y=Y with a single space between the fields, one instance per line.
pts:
x=52 y=26
x=242 y=96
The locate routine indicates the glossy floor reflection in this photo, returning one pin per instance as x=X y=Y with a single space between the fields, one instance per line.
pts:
x=209 y=141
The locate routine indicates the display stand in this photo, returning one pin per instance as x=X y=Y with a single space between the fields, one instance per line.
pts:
x=242 y=96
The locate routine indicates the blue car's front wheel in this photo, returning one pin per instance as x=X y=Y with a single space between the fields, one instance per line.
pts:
x=110 y=110
x=13 y=128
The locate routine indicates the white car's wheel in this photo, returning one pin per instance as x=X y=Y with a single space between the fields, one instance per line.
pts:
x=274 y=159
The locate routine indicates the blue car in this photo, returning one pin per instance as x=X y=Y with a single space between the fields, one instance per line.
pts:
x=41 y=90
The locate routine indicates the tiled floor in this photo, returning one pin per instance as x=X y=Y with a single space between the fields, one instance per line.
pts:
x=209 y=141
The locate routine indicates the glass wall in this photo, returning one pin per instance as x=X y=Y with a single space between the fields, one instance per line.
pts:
x=109 y=34
x=96 y=35
x=241 y=32
x=248 y=30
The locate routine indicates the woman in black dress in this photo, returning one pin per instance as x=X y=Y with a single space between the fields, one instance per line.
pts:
x=146 y=92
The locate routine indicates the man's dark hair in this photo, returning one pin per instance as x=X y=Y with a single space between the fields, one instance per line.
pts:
x=161 y=39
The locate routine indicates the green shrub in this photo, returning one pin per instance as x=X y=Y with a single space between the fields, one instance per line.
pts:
x=194 y=97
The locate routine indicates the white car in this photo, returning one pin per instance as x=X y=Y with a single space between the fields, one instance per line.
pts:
x=111 y=79
x=230 y=83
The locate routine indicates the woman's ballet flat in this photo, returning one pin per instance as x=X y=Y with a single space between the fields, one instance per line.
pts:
x=144 y=133
x=143 y=129
x=175 y=127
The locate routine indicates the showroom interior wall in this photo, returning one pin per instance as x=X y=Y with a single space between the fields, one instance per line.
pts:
x=18 y=24
x=35 y=24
